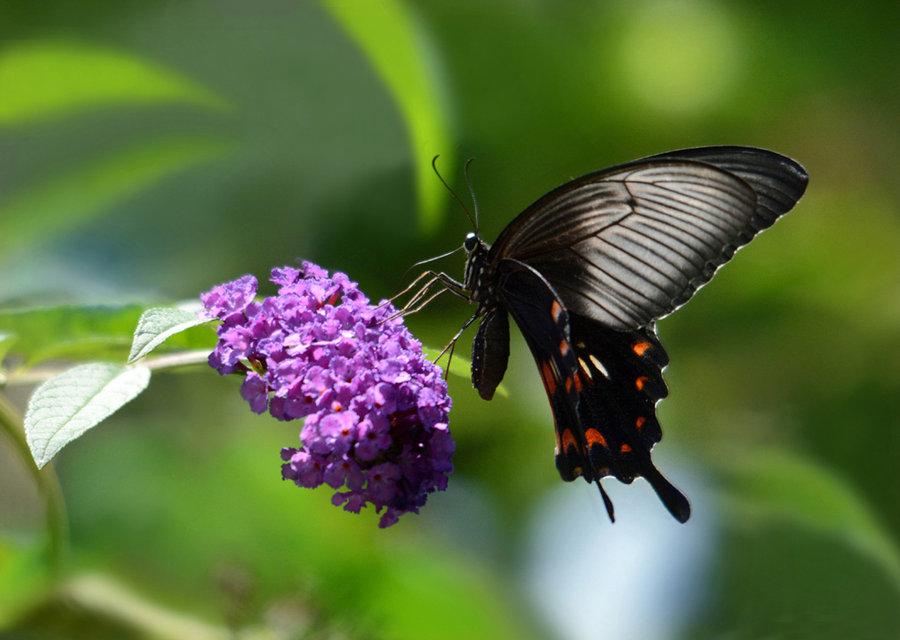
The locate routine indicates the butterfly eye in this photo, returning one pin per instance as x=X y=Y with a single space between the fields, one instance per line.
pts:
x=470 y=242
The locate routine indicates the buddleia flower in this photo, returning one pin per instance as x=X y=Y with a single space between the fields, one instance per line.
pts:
x=375 y=409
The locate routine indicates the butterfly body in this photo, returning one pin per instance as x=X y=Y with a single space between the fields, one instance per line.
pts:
x=587 y=270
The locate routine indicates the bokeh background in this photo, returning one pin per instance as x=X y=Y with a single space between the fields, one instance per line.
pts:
x=149 y=150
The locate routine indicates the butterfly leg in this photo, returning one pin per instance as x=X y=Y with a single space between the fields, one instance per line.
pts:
x=434 y=278
x=412 y=285
x=452 y=344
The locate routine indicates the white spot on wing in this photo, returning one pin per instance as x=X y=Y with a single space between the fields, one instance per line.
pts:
x=599 y=366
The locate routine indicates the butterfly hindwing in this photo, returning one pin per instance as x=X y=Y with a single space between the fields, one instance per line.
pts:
x=623 y=382
x=544 y=322
x=603 y=386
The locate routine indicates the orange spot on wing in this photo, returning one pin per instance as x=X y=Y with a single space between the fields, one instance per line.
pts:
x=640 y=347
x=640 y=382
x=568 y=383
x=592 y=437
x=625 y=448
x=639 y=423
x=556 y=310
x=568 y=440
x=558 y=445
x=563 y=348
x=548 y=377
x=578 y=385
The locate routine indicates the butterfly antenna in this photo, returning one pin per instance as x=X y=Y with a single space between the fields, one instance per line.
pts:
x=471 y=193
x=427 y=260
x=452 y=192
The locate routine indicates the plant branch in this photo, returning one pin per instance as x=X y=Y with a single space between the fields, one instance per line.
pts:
x=168 y=361
x=45 y=479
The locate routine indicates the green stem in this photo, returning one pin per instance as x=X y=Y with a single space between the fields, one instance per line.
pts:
x=46 y=481
x=168 y=361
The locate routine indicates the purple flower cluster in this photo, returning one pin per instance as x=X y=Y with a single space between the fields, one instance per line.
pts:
x=375 y=408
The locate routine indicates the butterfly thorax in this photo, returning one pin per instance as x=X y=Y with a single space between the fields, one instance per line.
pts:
x=479 y=278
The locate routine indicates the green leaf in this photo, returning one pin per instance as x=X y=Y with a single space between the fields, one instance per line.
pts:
x=778 y=485
x=88 y=332
x=6 y=341
x=459 y=366
x=67 y=405
x=387 y=34
x=157 y=325
x=69 y=331
x=52 y=79
x=87 y=191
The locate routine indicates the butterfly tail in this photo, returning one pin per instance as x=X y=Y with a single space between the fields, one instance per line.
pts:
x=610 y=511
x=672 y=498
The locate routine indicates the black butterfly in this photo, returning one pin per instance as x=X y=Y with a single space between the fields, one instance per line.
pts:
x=587 y=270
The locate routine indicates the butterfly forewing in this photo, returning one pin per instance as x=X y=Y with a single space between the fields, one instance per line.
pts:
x=777 y=181
x=630 y=244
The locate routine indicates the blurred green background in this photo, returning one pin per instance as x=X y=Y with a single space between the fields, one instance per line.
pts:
x=149 y=150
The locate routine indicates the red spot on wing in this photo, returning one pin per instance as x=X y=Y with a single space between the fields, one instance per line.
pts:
x=639 y=423
x=548 y=376
x=640 y=347
x=592 y=437
x=568 y=440
x=556 y=311
x=640 y=382
x=625 y=448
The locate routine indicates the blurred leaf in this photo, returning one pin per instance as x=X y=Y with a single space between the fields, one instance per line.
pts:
x=461 y=367
x=93 y=606
x=790 y=488
x=83 y=332
x=431 y=595
x=779 y=580
x=6 y=340
x=85 y=192
x=39 y=334
x=157 y=325
x=24 y=572
x=47 y=79
x=67 y=405
x=387 y=34
x=397 y=583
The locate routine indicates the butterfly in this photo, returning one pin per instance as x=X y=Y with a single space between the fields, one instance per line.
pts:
x=588 y=269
